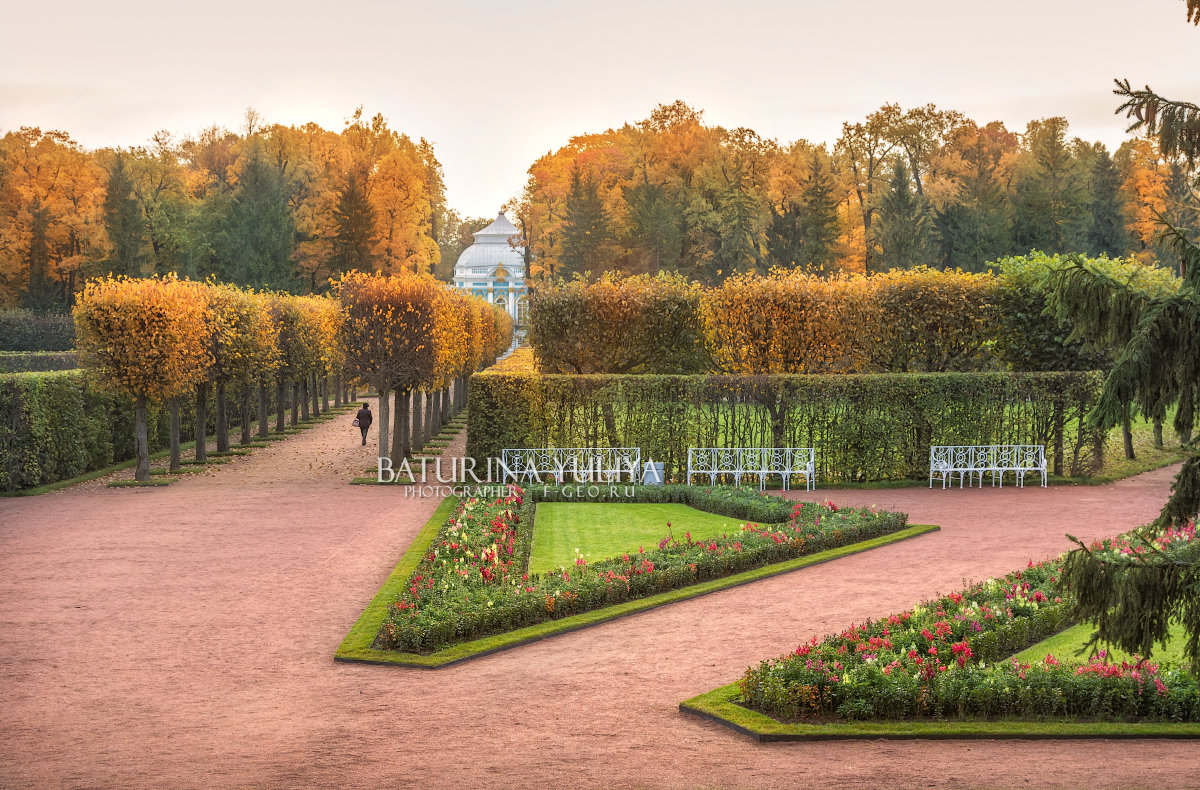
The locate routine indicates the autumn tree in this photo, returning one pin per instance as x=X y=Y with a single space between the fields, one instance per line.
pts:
x=387 y=330
x=147 y=339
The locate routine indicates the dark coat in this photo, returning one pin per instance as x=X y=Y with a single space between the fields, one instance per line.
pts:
x=364 y=418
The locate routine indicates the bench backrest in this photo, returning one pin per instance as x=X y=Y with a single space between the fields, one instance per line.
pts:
x=723 y=460
x=581 y=463
x=988 y=456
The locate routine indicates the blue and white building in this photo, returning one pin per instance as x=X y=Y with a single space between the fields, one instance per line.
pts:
x=494 y=268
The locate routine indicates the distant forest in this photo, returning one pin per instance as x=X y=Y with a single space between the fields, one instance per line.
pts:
x=271 y=206
x=288 y=207
x=898 y=189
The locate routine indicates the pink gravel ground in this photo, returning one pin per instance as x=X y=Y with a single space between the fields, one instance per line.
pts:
x=184 y=637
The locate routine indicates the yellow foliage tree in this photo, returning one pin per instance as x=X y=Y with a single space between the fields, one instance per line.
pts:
x=145 y=338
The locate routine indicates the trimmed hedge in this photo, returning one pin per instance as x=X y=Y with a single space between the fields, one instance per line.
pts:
x=57 y=425
x=865 y=427
x=24 y=330
x=37 y=361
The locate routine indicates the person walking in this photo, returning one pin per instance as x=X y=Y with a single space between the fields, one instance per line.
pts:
x=363 y=420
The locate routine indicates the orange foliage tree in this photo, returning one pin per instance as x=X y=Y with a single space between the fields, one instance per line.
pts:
x=147 y=339
x=387 y=332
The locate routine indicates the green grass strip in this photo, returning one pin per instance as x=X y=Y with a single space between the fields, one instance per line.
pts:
x=139 y=483
x=357 y=644
x=718 y=705
x=193 y=470
x=224 y=453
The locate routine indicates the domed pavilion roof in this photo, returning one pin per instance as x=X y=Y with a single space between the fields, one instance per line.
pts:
x=492 y=251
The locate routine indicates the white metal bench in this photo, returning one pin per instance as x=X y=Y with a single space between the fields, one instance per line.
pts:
x=753 y=461
x=583 y=464
x=967 y=461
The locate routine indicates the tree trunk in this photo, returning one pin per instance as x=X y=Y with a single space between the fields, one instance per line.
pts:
x=141 y=442
x=384 y=423
x=303 y=396
x=264 y=427
x=316 y=395
x=295 y=402
x=337 y=391
x=1158 y=434
x=1127 y=435
x=244 y=391
x=354 y=393
x=400 y=434
x=1059 y=429
x=436 y=427
x=325 y=394
x=280 y=406
x=201 y=421
x=173 y=409
x=416 y=420
x=222 y=423
x=426 y=433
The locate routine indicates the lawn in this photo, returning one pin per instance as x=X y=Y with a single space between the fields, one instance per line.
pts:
x=1065 y=644
x=601 y=530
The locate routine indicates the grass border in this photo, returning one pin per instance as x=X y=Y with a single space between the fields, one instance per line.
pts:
x=356 y=647
x=718 y=706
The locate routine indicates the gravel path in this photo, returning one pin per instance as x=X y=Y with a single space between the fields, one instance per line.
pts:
x=183 y=637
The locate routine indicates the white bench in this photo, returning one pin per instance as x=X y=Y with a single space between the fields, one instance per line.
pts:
x=759 y=461
x=967 y=461
x=583 y=464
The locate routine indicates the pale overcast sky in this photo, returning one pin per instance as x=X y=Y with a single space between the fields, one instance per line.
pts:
x=495 y=85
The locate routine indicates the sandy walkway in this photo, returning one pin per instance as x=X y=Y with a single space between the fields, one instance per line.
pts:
x=183 y=637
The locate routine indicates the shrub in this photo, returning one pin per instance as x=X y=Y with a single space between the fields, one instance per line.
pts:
x=25 y=330
x=865 y=427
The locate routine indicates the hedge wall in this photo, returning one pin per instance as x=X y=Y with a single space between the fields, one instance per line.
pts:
x=37 y=361
x=24 y=330
x=56 y=425
x=865 y=427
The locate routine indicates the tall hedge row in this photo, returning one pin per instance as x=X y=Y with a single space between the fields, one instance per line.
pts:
x=24 y=330
x=865 y=427
x=56 y=425
x=37 y=361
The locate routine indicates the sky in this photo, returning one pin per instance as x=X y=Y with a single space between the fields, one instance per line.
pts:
x=496 y=85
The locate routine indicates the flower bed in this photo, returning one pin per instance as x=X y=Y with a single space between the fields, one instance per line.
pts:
x=946 y=659
x=473 y=581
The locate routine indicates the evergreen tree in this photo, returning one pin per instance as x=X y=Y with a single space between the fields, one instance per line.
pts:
x=654 y=226
x=354 y=218
x=586 y=229
x=124 y=222
x=903 y=231
x=1134 y=599
x=1106 y=234
x=804 y=232
x=39 y=293
x=258 y=232
x=1049 y=201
